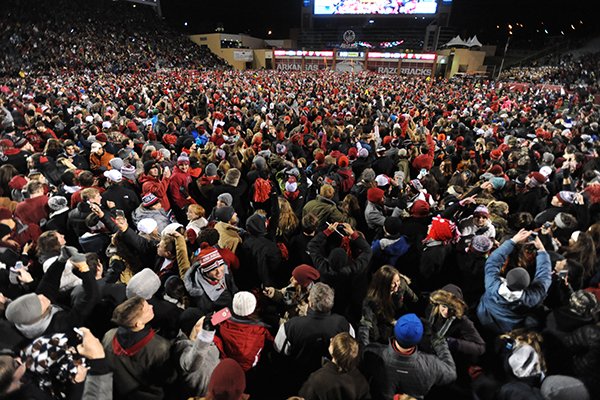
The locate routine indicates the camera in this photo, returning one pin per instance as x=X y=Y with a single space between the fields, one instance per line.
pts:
x=532 y=236
x=562 y=274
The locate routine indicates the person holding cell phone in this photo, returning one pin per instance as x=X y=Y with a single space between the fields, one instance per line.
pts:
x=36 y=314
x=124 y=198
x=508 y=300
x=76 y=222
x=243 y=334
x=337 y=266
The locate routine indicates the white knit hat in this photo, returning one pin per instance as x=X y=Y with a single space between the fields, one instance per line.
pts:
x=244 y=304
x=147 y=225
x=171 y=228
x=144 y=284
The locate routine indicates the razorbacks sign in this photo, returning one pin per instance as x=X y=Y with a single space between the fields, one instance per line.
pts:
x=425 y=70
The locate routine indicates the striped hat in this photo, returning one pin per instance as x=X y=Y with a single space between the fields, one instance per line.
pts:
x=210 y=259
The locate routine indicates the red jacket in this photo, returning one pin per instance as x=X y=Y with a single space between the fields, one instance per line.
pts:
x=425 y=160
x=243 y=340
x=178 y=181
x=230 y=258
x=157 y=187
x=33 y=211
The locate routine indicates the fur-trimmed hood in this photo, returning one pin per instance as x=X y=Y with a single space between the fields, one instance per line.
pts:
x=451 y=296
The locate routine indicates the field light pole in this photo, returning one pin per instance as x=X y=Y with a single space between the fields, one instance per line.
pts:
x=504 y=56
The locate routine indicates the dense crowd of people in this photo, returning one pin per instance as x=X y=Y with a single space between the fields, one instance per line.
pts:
x=91 y=37
x=173 y=233
x=564 y=69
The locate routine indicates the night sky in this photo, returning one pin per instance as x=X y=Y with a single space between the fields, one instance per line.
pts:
x=257 y=17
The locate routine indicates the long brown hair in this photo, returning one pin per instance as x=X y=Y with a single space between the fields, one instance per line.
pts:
x=288 y=221
x=594 y=231
x=584 y=251
x=379 y=290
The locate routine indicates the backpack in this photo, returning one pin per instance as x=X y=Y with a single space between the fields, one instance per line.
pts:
x=262 y=190
x=347 y=181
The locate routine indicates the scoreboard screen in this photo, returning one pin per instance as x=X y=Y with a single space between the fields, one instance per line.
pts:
x=374 y=7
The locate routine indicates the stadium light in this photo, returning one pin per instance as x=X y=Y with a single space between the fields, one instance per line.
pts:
x=572 y=27
x=269 y=33
x=185 y=24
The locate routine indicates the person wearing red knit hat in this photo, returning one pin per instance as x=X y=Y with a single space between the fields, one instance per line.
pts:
x=437 y=248
x=347 y=178
x=295 y=295
x=441 y=230
x=535 y=179
x=343 y=162
x=419 y=209
x=496 y=170
x=496 y=154
x=352 y=153
x=374 y=209
x=227 y=382
x=305 y=275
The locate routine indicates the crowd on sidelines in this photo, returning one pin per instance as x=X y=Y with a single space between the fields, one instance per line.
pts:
x=564 y=70
x=104 y=35
x=173 y=233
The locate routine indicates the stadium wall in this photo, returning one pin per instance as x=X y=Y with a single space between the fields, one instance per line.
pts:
x=253 y=54
x=463 y=61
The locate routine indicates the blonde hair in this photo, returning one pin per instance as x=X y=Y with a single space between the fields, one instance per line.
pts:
x=198 y=210
x=224 y=166
x=248 y=155
x=288 y=221
x=327 y=191
x=88 y=193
